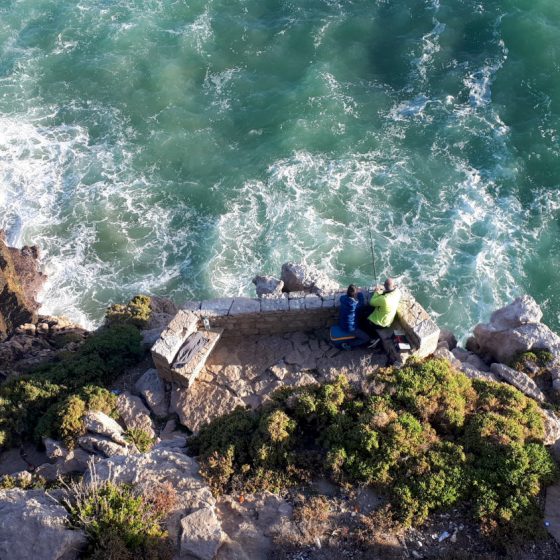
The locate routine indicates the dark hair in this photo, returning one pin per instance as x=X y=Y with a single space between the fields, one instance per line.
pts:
x=351 y=291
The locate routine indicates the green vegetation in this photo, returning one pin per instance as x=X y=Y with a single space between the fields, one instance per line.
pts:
x=122 y=522
x=532 y=361
x=426 y=435
x=136 y=312
x=52 y=399
x=140 y=438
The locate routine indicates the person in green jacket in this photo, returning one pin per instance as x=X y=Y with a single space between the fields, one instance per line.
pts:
x=385 y=302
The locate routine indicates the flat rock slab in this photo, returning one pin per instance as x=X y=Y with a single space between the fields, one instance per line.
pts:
x=34 y=526
x=190 y=361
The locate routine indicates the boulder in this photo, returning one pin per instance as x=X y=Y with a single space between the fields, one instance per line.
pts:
x=20 y=282
x=268 y=285
x=99 y=423
x=519 y=380
x=551 y=427
x=152 y=389
x=447 y=337
x=76 y=461
x=134 y=414
x=201 y=534
x=34 y=526
x=201 y=403
x=552 y=511
x=101 y=444
x=504 y=345
x=512 y=330
x=303 y=277
x=251 y=524
x=474 y=373
x=519 y=312
x=443 y=352
x=54 y=449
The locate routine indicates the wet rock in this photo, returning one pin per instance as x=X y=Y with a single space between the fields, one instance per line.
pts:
x=152 y=388
x=201 y=534
x=134 y=414
x=99 y=423
x=519 y=380
x=447 y=337
x=268 y=285
x=33 y=525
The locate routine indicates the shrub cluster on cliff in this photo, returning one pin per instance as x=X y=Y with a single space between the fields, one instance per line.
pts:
x=426 y=434
x=51 y=401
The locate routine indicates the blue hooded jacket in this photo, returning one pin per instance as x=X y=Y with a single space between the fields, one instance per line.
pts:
x=347 y=312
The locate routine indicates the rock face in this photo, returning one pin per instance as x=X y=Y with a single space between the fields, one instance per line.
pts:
x=201 y=534
x=20 y=282
x=268 y=285
x=33 y=525
x=134 y=414
x=512 y=330
x=303 y=277
x=250 y=525
x=152 y=389
x=192 y=522
x=519 y=380
x=99 y=423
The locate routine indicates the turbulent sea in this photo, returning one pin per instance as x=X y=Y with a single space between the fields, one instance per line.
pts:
x=180 y=147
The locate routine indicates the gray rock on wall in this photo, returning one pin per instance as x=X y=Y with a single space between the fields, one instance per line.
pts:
x=268 y=285
x=34 y=526
x=303 y=277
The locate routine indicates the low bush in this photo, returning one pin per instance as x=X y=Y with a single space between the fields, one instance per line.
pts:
x=122 y=522
x=140 y=438
x=52 y=399
x=136 y=312
x=430 y=437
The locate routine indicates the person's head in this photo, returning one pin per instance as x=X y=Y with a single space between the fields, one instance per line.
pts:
x=351 y=291
x=389 y=285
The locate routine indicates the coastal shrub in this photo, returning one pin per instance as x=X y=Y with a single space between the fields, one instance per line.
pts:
x=24 y=401
x=140 y=438
x=429 y=436
x=136 y=312
x=121 y=521
x=64 y=420
x=530 y=362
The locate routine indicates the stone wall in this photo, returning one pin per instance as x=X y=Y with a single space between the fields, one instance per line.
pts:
x=293 y=312
x=288 y=313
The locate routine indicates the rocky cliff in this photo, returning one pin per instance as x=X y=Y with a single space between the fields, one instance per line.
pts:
x=20 y=282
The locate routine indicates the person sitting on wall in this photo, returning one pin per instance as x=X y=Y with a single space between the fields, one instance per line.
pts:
x=350 y=304
x=385 y=301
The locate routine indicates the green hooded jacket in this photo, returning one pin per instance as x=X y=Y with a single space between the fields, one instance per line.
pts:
x=385 y=305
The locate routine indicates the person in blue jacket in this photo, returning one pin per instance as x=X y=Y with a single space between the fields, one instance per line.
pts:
x=350 y=304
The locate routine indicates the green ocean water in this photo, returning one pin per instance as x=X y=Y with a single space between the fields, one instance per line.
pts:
x=181 y=147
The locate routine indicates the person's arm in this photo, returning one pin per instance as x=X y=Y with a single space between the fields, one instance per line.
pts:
x=376 y=298
x=361 y=299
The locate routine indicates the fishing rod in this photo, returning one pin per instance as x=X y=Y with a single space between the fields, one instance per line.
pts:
x=372 y=252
